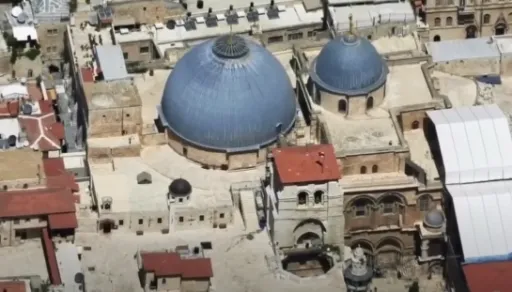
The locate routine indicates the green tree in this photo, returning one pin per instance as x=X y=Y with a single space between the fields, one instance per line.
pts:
x=415 y=287
x=32 y=53
x=14 y=55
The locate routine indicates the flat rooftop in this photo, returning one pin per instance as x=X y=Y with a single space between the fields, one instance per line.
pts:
x=365 y=16
x=360 y=134
x=402 y=93
x=290 y=15
x=21 y=164
x=108 y=95
x=172 y=165
x=395 y=44
x=80 y=38
x=24 y=260
x=498 y=94
x=461 y=91
x=69 y=265
x=118 y=180
x=238 y=264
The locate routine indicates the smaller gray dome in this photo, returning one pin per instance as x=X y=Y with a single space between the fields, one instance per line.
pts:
x=434 y=219
x=180 y=187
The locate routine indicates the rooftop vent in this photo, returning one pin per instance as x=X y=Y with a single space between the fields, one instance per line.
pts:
x=26 y=109
x=171 y=24
x=200 y=4
x=211 y=20
x=144 y=178
x=190 y=24
x=252 y=14
x=232 y=18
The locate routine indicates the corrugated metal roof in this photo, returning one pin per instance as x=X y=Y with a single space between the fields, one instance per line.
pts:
x=111 y=61
x=483 y=214
x=452 y=50
x=475 y=143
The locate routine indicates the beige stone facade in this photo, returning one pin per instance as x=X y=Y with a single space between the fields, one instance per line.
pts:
x=453 y=19
x=52 y=42
x=15 y=231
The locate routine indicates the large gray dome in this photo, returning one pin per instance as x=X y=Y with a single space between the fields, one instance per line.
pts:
x=349 y=65
x=228 y=94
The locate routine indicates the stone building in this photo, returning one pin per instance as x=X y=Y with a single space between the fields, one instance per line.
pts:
x=174 y=271
x=195 y=209
x=449 y=19
x=377 y=127
x=52 y=209
x=303 y=199
x=226 y=102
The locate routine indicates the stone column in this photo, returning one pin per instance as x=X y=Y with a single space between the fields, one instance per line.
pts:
x=424 y=248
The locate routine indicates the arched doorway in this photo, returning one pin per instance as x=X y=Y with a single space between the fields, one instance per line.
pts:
x=500 y=29
x=437 y=38
x=471 y=32
x=309 y=239
x=53 y=69
x=342 y=106
x=106 y=225
x=389 y=254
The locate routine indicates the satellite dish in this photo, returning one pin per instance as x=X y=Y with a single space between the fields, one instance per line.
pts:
x=171 y=24
x=16 y=11
x=12 y=141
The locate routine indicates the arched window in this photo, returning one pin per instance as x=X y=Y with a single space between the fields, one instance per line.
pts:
x=361 y=207
x=437 y=38
x=363 y=169
x=487 y=18
x=369 y=103
x=302 y=198
x=437 y=21
x=375 y=168
x=415 y=125
x=390 y=203
x=449 y=21
x=342 y=106
x=319 y=195
x=509 y=17
x=424 y=203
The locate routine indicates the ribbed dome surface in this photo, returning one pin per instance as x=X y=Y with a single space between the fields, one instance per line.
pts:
x=349 y=65
x=228 y=94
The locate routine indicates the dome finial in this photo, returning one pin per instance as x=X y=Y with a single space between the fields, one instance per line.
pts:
x=351 y=24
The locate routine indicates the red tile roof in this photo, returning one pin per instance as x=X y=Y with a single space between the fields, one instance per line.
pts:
x=315 y=163
x=62 y=221
x=12 y=286
x=36 y=202
x=87 y=75
x=51 y=258
x=9 y=109
x=165 y=264
x=43 y=131
x=34 y=92
x=489 y=277
x=57 y=176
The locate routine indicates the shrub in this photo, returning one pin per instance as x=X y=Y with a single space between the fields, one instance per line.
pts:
x=32 y=53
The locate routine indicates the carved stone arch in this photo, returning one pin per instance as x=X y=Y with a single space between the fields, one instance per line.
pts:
x=397 y=195
x=309 y=229
x=389 y=252
x=349 y=204
x=501 y=20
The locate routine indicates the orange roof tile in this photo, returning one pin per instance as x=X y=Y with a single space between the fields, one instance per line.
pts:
x=87 y=75
x=34 y=92
x=170 y=264
x=36 y=202
x=9 y=109
x=62 y=221
x=43 y=131
x=315 y=163
x=488 y=277
x=12 y=286
x=57 y=176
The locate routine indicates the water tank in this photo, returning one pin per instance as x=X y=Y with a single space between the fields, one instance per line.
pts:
x=171 y=24
x=22 y=18
x=16 y=11
x=27 y=109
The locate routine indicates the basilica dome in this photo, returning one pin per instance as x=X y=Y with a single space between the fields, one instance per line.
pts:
x=228 y=94
x=349 y=65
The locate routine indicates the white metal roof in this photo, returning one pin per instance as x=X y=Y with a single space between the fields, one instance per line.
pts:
x=111 y=61
x=475 y=143
x=483 y=214
x=22 y=33
x=69 y=266
x=452 y=50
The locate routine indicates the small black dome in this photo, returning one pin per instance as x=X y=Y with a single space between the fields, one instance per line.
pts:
x=180 y=187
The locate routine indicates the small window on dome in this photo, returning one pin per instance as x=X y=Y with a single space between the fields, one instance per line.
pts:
x=342 y=106
x=369 y=103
